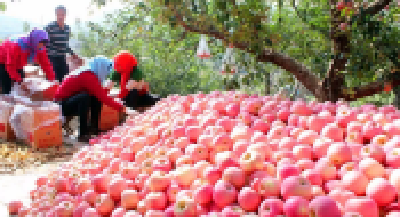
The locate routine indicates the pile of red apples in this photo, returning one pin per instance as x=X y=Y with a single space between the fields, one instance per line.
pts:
x=228 y=154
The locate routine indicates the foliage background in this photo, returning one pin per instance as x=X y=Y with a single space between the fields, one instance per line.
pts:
x=167 y=54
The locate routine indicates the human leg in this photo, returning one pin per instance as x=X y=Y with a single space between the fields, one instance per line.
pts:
x=147 y=100
x=132 y=99
x=64 y=68
x=78 y=105
x=6 y=82
x=57 y=67
x=95 y=110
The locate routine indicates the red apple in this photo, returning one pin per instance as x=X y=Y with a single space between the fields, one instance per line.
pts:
x=366 y=207
x=116 y=187
x=313 y=176
x=334 y=132
x=355 y=181
x=129 y=199
x=296 y=207
x=172 y=191
x=287 y=170
x=324 y=206
x=158 y=181
x=224 y=193
x=339 y=153
x=232 y=211
x=381 y=191
x=296 y=186
x=249 y=199
x=250 y=161
x=14 y=207
x=212 y=175
x=104 y=204
x=185 y=207
x=271 y=208
x=156 y=201
x=90 y=212
x=203 y=194
x=234 y=175
x=267 y=186
x=118 y=212
x=371 y=168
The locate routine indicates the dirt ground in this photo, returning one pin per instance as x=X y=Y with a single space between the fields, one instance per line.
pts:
x=16 y=184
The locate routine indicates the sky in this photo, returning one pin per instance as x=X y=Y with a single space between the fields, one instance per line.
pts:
x=41 y=12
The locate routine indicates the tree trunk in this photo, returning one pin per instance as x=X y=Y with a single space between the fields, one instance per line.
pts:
x=396 y=100
x=267 y=83
x=334 y=82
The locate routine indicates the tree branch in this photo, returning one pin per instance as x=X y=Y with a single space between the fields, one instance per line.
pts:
x=313 y=27
x=372 y=10
x=369 y=89
x=305 y=76
x=310 y=81
x=144 y=36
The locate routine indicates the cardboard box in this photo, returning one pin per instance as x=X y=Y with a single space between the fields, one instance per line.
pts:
x=39 y=124
x=109 y=118
x=6 y=108
x=41 y=89
x=47 y=135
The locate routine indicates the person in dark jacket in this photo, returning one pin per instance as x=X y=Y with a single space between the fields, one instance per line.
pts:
x=125 y=71
x=58 y=46
x=17 y=52
x=82 y=91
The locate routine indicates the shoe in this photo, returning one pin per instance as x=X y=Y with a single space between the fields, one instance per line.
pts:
x=84 y=139
x=93 y=131
x=66 y=126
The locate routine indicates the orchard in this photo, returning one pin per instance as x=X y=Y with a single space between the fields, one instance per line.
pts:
x=232 y=154
x=336 y=49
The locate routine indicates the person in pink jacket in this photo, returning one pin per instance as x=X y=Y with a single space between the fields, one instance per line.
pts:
x=15 y=53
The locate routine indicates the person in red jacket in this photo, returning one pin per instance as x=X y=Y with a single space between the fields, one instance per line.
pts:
x=126 y=71
x=82 y=91
x=15 y=53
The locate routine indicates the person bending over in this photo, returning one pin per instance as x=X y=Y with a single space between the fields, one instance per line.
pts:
x=126 y=74
x=17 y=52
x=82 y=91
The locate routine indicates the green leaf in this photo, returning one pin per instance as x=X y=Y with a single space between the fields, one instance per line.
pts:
x=3 y=6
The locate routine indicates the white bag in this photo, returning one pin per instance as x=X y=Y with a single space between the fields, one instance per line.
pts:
x=16 y=91
x=229 y=60
x=203 y=52
x=16 y=121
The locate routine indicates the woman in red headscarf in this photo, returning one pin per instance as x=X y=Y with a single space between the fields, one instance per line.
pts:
x=134 y=91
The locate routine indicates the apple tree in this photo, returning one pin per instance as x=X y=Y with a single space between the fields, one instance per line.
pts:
x=336 y=48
